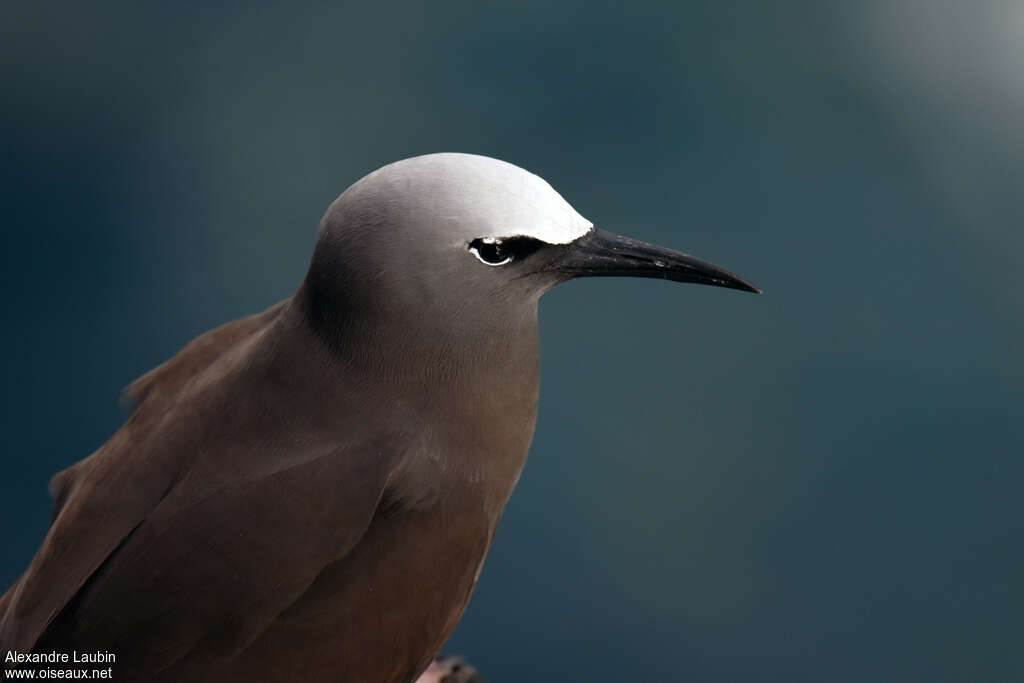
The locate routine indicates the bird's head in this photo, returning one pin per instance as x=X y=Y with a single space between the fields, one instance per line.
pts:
x=464 y=242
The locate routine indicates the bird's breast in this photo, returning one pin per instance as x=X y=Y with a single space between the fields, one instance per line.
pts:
x=380 y=614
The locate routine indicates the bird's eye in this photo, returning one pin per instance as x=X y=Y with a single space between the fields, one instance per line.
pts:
x=490 y=251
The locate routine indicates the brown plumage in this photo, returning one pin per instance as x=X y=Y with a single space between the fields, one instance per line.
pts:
x=309 y=493
x=230 y=531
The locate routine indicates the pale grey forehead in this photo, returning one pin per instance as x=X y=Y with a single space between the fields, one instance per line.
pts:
x=476 y=196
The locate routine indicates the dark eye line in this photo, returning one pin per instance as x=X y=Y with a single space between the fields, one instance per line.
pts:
x=516 y=247
x=522 y=246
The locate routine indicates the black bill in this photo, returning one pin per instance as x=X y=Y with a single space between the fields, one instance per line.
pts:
x=604 y=254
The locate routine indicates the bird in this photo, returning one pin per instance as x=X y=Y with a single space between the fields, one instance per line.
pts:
x=309 y=493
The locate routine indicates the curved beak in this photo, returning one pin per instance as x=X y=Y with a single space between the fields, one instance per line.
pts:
x=605 y=254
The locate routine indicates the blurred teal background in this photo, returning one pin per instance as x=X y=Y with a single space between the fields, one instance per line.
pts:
x=822 y=483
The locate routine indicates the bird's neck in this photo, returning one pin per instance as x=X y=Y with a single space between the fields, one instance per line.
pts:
x=472 y=390
x=424 y=347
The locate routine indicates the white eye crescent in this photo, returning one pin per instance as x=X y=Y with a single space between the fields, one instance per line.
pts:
x=491 y=251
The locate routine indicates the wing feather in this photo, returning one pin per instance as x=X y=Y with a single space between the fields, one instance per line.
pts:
x=199 y=521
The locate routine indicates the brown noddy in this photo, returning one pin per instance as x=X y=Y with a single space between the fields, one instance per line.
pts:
x=309 y=493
